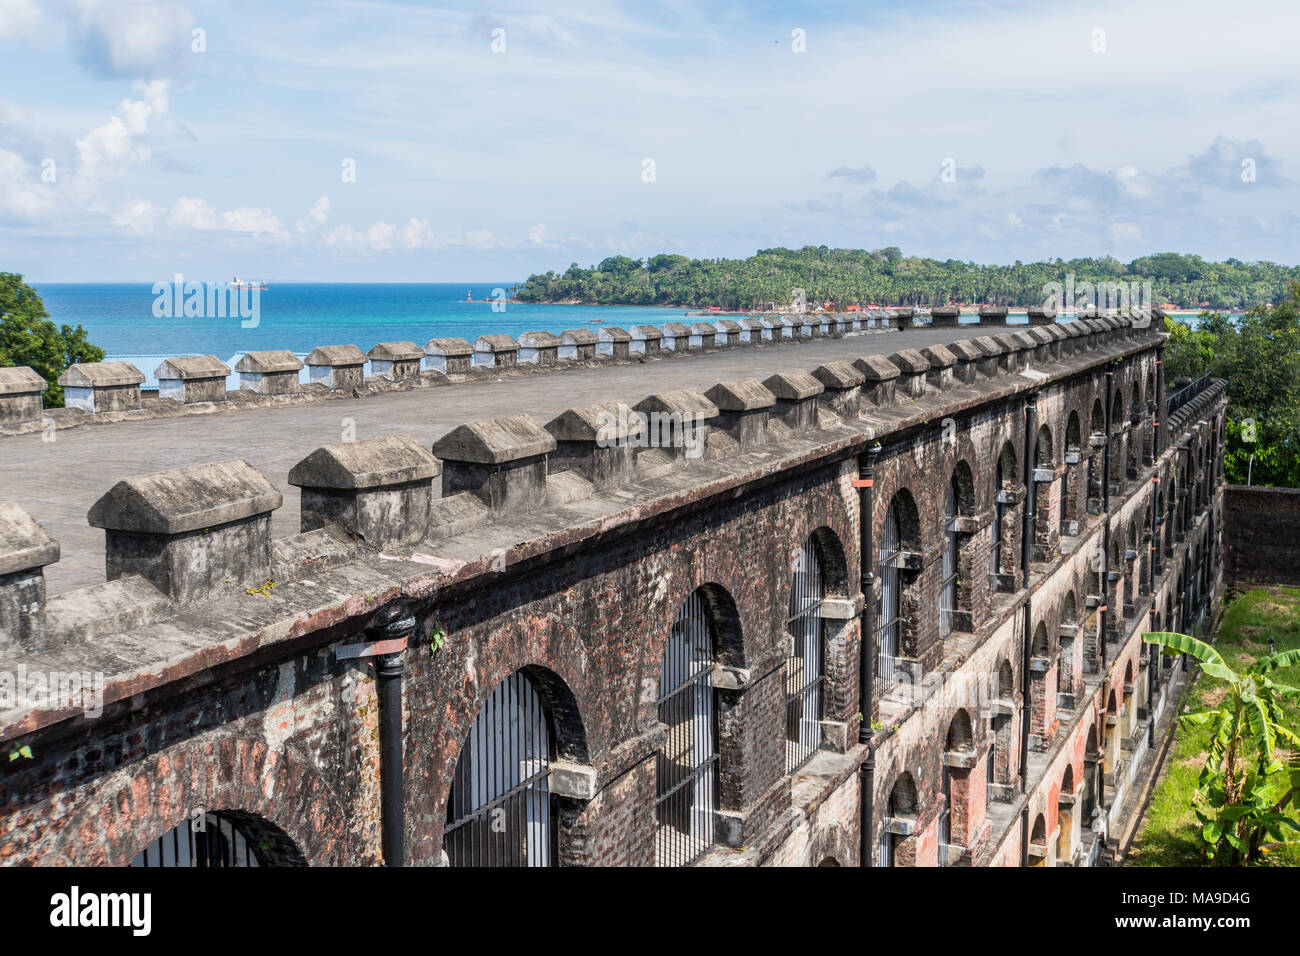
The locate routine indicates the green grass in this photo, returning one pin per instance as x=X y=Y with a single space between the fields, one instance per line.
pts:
x=1170 y=834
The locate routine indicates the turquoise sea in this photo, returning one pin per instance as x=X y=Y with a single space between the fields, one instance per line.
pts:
x=299 y=316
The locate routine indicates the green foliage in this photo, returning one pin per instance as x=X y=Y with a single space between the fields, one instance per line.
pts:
x=1259 y=356
x=28 y=337
x=1245 y=795
x=887 y=277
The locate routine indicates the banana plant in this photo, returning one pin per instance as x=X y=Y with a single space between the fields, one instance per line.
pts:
x=1245 y=797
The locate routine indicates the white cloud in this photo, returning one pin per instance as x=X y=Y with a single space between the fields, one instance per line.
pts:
x=191 y=213
x=125 y=137
x=130 y=38
x=20 y=20
x=316 y=215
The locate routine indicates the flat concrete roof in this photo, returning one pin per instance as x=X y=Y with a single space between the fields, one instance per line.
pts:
x=58 y=481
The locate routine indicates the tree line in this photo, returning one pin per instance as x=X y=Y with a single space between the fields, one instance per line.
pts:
x=768 y=279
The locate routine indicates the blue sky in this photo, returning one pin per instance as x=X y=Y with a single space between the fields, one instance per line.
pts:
x=991 y=131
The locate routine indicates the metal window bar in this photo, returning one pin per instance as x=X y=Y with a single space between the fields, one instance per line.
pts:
x=887 y=642
x=804 y=669
x=945 y=819
x=948 y=578
x=213 y=841
x=499 y=809
x=687 y=766
x=995 y=543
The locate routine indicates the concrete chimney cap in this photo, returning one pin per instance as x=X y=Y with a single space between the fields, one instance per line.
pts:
x=336 y=356
x=494 y=441
x=371 y=463
x=101 y=375
x=24 y=544
x=185 y=499
x=740 y=395
x=793 y=385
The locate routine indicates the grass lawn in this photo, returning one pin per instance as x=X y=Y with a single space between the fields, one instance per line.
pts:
x=1170 y=833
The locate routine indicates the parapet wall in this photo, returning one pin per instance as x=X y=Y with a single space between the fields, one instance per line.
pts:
x=107 y=392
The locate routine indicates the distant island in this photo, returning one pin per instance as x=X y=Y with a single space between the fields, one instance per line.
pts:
x=885 y=277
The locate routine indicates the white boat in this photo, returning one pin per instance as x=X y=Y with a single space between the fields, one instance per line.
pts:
x=238 y=283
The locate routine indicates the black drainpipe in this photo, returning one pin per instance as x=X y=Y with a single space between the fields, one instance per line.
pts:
x=866 y=653
x=1026 y=558
x=390 y=629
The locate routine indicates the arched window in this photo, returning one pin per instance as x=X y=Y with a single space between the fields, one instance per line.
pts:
x=219 y=840
x=687 y=768
x=948 y=580
x=804 y=668
x=499 y=810
x=1002 y=556
x=902 y=806
x=887 y=631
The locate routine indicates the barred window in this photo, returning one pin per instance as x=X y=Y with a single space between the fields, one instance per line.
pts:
x=209 y=841
x=887 y=631
x=804 y=668
x=499 y=809
x=687 y=766
x=948 y=580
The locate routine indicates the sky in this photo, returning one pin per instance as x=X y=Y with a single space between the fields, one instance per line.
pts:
x=356 y=141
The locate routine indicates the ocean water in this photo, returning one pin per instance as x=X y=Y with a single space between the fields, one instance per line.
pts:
x=299 y=316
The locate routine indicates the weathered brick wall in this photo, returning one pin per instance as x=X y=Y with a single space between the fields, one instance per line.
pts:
x=1261 y=529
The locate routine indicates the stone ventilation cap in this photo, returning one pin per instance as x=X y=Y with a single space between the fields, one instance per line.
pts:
x=741 y=395
x=876 y=368
x=192 y=367
x=20 y=380
x=910 y=361
x=966 y=350
x=993 y=345
x=1008 y=342
x=683 y=401
x=495 y=441
x=946 y=311
x=539 y=340
x=373 y=463
x=751 y=324
x=101 y=375
x=336 y=355
x=993 y=310
x=612 y=333
x=1073 y=329
x=646 y=332
x=276 y=361
x=450 y=347
x=703 y=328
x=793 y=386
x=579 y=337
x=1024 y=340
x=839 y=375
x=676 y=329
x=186 y=499
x=24 y=544
x=607 y=422
x=1038 y=333
x=1054 y=332
x=726 y=325
x=495 y=343
x=395 y=352
x=939 y=356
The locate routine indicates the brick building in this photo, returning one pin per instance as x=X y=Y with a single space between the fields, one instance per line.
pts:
x=633 y=635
